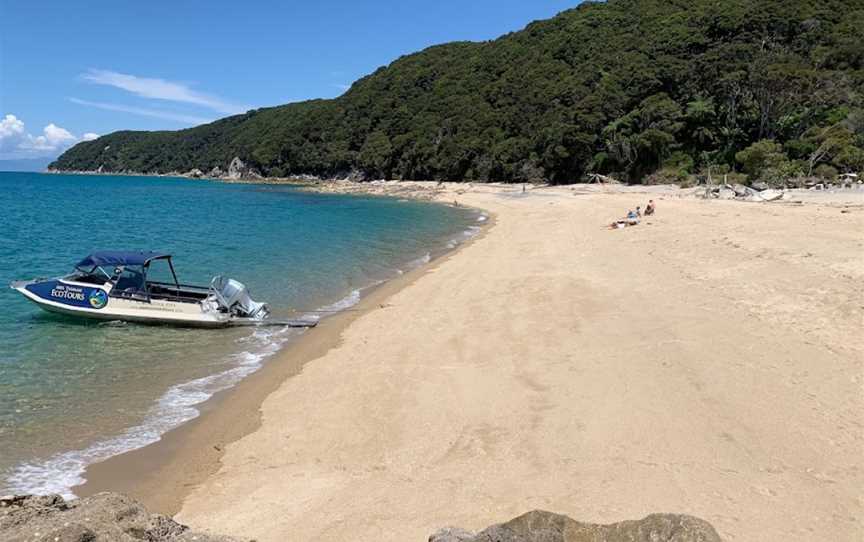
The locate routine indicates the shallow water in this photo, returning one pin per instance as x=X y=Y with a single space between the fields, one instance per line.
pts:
x=74 y=392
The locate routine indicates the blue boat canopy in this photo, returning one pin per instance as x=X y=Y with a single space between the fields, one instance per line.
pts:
x=120 y=257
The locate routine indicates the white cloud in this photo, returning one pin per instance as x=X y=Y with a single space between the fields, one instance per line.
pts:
x=160 y=89
x=156 y=113
x=10 y=127
x=89 y=136
x=53 y=138
x=16 y=142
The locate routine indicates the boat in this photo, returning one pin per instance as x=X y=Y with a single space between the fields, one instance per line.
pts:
x=117 y=285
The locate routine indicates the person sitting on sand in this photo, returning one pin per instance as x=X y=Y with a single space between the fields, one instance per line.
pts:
x=631 y=219
x=638 y=212
x=649 y=210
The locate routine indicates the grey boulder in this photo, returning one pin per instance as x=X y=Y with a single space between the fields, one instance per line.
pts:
x=452 y=534
x=540 y=526
x=237 y=170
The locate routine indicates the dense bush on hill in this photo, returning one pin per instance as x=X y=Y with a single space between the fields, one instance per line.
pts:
x=640 y=89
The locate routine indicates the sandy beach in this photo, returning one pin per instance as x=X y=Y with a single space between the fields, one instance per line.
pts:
x=707 y=362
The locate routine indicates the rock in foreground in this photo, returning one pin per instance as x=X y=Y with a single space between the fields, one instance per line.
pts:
x=539 y=526
x=106 y=517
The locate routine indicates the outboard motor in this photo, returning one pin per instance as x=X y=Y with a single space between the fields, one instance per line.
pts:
x=234 y=298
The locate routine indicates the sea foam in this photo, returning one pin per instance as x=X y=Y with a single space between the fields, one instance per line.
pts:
x=61 y=472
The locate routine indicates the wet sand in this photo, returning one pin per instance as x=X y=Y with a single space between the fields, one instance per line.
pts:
x=708 y=361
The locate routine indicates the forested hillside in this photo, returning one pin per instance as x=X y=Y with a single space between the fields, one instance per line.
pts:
x=644 y=90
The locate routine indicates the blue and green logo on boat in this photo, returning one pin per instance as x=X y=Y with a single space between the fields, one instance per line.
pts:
x=98 y=299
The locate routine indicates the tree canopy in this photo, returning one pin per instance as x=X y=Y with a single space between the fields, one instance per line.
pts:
x=645 y=90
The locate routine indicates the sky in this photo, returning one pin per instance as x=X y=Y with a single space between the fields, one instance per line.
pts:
x=71 y=71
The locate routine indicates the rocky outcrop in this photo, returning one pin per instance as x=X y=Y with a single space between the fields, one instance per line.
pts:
x=742 y=193
x=539 y=526
x=237 y=170
x=353 y=175
x=106 y=517
x=194 y=173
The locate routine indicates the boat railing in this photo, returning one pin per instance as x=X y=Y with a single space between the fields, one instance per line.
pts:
x=175 y=286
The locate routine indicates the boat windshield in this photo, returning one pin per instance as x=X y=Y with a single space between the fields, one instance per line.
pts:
x=96 y=275
x=88 y=278
x=129 y=280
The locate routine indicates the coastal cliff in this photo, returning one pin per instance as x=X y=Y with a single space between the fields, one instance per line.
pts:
x=643 y=90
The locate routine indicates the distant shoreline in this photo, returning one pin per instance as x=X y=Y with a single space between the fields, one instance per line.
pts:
x=440 y=191
x=178 y=175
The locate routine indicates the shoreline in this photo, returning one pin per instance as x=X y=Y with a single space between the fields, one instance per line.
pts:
x=161 y=474
x=434 y=190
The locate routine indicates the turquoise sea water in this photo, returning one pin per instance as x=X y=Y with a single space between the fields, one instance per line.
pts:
x=75 y=392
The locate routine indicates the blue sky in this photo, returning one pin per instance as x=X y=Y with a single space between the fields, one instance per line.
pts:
x=72 y=70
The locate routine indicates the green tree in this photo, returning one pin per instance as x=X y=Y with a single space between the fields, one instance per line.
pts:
x=763 y=158
x=375 y=156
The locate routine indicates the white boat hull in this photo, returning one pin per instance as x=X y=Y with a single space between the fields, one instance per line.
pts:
x=95 y=302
